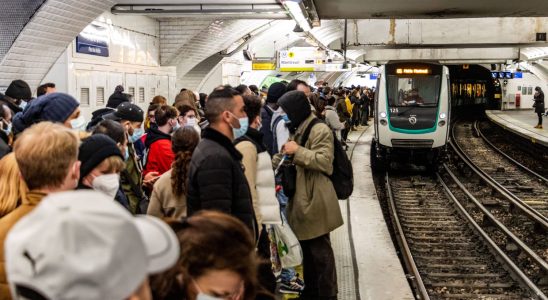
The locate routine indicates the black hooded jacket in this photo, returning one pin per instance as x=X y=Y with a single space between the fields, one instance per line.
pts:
x=216 y=179
x=153 y=135
x=296 y=106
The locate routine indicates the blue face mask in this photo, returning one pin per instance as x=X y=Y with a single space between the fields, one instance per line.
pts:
x=177 y=125
x=244 y=125
x=137 y=134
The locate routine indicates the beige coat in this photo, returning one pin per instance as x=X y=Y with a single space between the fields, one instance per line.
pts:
x=163 y=203
x=314 y=209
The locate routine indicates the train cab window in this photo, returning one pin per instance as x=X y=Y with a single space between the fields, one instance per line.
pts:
x=141 y=95
x=413 y=90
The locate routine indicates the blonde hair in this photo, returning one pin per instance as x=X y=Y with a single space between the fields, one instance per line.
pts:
x=112 y=164
x=13 y=188
x=44 y=153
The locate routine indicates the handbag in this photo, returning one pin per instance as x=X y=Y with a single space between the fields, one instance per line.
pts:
x=287 y=172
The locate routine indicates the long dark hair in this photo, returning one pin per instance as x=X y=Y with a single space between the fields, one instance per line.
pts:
x=183 y=143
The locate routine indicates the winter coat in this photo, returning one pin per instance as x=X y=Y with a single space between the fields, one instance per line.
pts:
x=217 y=181
x=6 y=223
x=539 y=103
x=260 y=177
x=163 y=202
x=342 y=110
x=332 y=120
x=4 y=146
x=314 y=209
x=158 y=153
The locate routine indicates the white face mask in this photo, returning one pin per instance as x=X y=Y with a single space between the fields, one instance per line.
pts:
x=190 y=121
x=78 y=123
x=108 y=184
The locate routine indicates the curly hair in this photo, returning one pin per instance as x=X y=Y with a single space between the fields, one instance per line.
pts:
x=183 y=143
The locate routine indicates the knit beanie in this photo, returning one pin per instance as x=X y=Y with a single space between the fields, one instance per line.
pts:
x=94 y=150
x=19 y=89
x=116 y=99
x=275 y=91
x=54 y=107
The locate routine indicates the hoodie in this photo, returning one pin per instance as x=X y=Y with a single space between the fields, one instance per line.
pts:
x=296 y=106
x=158 y=153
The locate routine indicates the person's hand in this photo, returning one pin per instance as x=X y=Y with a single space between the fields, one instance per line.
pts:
x=150 y=179
x=290 y=148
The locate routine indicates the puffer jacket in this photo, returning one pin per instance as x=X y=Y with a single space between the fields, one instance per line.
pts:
x=217 y=180
x=314 y=209
x=260 y=177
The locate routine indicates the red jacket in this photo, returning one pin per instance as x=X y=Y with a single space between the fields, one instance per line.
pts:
x=159 y=155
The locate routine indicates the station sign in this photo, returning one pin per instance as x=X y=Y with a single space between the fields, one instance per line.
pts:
x=93 y=40
x=262 y=65
x=302 y=59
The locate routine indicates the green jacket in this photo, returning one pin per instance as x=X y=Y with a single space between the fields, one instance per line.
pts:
x=314 y=209
x=132 y=181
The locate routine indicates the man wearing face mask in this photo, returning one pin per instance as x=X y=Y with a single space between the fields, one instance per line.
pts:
x=313 y=211
x=47 y=156
x=102 y=163
x=17 y=95
x=131 y=117
x=56 y=107
x=216 y=177
x=158 y=154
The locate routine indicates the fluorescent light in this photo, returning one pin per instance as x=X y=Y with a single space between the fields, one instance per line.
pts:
x=297 y=12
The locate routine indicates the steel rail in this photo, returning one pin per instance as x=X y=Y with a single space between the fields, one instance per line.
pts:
x=519 y=275
x=524 y=207
x=406 y=251
x=532 y=254
x=515 y=162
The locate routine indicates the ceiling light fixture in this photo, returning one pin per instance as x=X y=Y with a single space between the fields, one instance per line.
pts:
x=298 y=13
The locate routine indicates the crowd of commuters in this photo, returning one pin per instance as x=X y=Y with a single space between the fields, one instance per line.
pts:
x=194 y=190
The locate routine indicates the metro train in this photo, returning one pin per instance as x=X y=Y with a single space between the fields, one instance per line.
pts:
x=412 y=114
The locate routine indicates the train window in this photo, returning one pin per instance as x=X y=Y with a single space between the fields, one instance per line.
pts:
x=412 y=90
x=131 y=91
x=84 y=96
x=100 y=96
x=141 y=95
x=153 y=91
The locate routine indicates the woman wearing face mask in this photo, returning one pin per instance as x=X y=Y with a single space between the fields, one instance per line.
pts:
x=102 y=162
x=207 y=269
x=187 y=117
x=56 y=107
x=168 y=197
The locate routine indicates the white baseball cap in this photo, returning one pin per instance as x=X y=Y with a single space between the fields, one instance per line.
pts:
x=83 y=245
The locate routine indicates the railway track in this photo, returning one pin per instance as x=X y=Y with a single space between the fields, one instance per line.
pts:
x=526 y=188
x=447 y=252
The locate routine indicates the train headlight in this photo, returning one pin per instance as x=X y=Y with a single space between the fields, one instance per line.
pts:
x=443 y=116
x=383 y=122
x=441 y=123
x=383 y=114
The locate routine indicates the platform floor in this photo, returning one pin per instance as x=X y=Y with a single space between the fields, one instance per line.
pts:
x=521 y=122
x=367 y=264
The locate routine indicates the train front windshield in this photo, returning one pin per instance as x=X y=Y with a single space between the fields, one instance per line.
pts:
x=413 y=90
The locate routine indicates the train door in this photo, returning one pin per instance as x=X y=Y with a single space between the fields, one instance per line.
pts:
x=163 y=87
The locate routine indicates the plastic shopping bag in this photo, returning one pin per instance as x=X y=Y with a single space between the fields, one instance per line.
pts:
x=289 y=249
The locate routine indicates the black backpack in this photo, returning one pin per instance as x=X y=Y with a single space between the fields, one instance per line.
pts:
x=266 y=117
x=343 y=175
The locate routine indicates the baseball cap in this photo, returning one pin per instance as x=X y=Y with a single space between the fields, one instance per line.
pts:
x=83 y=245
x=126 y=111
